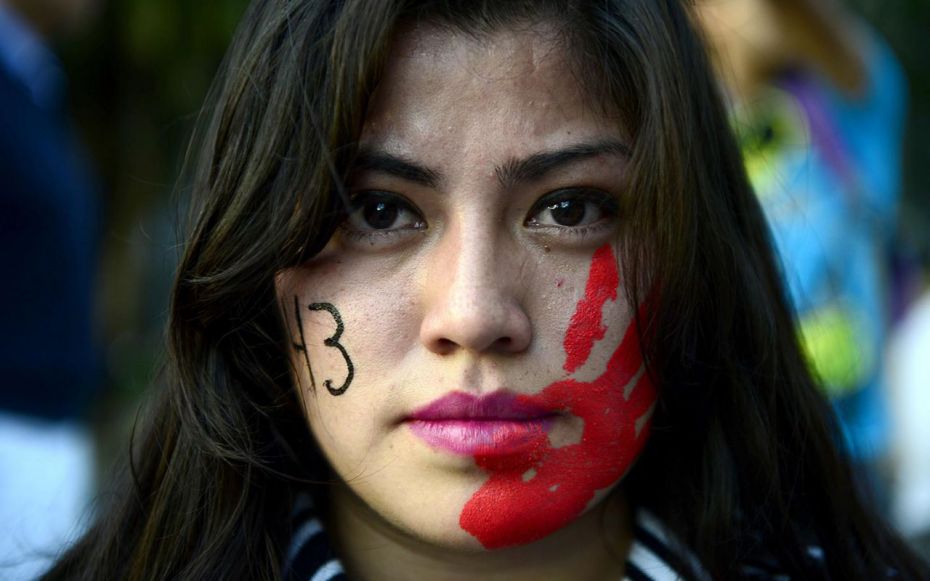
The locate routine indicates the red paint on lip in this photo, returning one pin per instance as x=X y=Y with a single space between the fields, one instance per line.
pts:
x=533 y=494
x=499 y=423
x=587 y=326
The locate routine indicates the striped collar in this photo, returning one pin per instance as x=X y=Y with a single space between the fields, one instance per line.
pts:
x=657 y=556
x=310 y=556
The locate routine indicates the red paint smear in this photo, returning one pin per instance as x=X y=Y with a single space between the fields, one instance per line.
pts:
x=587 y=326
x=507 y=510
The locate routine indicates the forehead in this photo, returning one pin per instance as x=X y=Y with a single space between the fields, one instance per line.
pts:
x=512 y=91
x=516 y=55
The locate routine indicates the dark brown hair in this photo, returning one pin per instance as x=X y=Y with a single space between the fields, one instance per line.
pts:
x=743 y=456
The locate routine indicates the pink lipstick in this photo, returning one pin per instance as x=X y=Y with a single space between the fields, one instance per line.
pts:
x=499 y=423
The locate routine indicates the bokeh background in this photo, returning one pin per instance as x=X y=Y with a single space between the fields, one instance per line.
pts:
x=138 y=72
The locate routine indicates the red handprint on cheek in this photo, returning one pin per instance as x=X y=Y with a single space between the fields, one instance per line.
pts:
x=587 y=325
x=536 y=492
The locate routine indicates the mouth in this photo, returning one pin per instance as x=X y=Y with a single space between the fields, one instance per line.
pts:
x=499 y=423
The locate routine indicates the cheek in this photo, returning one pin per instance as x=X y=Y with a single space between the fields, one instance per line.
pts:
x=532 y=494
x=340 y=326
x=344 y=340
x=343 y=428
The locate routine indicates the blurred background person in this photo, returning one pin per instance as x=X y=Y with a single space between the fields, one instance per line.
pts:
x=50 y=362
x=819 y=103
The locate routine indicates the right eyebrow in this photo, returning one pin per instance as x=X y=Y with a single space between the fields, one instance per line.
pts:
x=395 y=165
x=536 y=166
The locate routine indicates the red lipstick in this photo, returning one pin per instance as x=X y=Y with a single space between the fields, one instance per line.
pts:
x=499 y=423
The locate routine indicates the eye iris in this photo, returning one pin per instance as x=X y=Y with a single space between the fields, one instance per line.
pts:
x=567 y=212
x=380 y=215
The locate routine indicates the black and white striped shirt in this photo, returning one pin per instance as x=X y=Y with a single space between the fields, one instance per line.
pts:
x=310 y=556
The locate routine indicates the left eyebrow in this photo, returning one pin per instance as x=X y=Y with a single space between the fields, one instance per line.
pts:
x=511 y=173
x=536 y=166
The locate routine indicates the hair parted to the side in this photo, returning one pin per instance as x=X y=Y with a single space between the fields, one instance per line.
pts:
x=743 y=453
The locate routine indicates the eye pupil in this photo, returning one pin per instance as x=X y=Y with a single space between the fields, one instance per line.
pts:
x=380 y=215
x=567 y=212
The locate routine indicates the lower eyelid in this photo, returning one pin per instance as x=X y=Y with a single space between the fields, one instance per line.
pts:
x=368 y=236
x=554 y=230
x=374 y=237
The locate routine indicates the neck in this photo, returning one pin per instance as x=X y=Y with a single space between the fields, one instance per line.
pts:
x=594 y=546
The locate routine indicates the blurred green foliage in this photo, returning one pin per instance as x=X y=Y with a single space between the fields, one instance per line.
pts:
x=137 y=79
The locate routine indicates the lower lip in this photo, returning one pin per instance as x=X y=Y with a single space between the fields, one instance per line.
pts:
x=488 y=437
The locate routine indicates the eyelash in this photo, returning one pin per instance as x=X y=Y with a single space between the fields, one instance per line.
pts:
x=604 y=202
x=375 y=236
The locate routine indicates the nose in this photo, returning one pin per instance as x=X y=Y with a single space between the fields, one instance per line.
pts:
x=473 y=302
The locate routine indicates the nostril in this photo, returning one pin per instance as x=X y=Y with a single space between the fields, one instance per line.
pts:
x=475 y=323
x=445 y=345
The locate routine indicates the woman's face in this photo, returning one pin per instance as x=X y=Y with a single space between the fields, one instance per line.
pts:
x=462 y=344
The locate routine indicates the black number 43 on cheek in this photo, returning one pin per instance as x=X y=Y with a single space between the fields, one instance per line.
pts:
x=332 y=341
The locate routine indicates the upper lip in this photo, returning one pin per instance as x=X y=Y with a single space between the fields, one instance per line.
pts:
x=498 y=405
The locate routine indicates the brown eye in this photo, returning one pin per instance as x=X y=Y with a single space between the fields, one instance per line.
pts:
x=572 y=208
x=380 y=215
x=382 y=211
x=568 y=212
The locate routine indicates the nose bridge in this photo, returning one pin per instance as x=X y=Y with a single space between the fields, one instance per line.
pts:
x=473 y=299
x=471 y=265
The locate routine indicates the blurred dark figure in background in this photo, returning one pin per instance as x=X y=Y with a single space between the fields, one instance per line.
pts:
x=50 y=365
x=818 y=105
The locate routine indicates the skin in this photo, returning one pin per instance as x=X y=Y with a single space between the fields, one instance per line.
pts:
x=474 y=290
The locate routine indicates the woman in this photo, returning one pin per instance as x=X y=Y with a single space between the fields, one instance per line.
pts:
x=454 y=268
